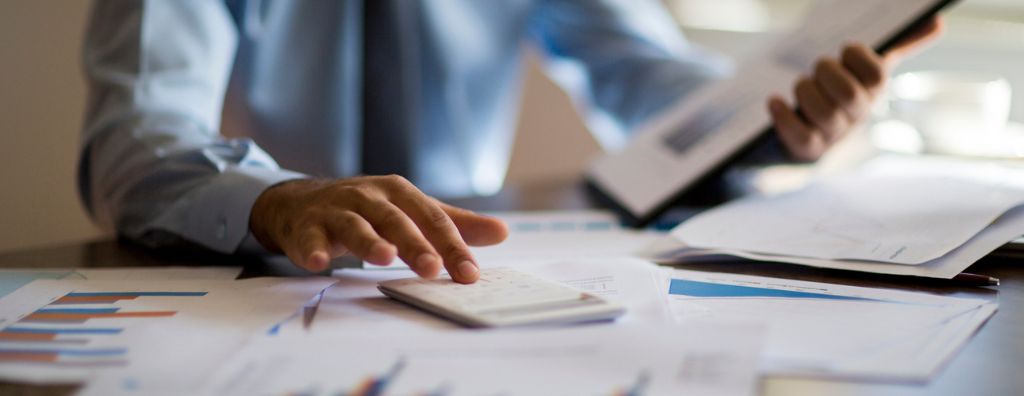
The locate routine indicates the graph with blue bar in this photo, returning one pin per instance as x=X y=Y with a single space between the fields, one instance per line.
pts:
x=65 y=331
x=692 y=288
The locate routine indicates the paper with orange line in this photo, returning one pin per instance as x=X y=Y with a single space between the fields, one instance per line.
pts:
x=61 y=331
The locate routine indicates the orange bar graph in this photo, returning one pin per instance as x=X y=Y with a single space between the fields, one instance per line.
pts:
x=10 y=356
x=7 y=336
x=82 y=317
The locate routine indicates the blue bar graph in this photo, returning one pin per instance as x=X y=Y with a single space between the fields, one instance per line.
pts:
x=64 y=330
x=68 y=352
x=136 y=294
x=692 y=288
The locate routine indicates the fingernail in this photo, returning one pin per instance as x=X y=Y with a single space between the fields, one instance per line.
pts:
x=467 y=269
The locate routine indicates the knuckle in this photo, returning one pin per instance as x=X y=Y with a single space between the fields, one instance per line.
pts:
x=352 y=192
x=845 y=92
x=367 y=243
x=395 y=181
x=830 y=121
x=392 y=219
x=306 y=221
x=438 y=218
x=455 y=252
x=347 y=221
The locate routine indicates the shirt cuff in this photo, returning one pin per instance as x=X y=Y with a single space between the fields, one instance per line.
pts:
x=219 y=216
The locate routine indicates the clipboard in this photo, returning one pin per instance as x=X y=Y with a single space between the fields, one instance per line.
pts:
x=663 y=162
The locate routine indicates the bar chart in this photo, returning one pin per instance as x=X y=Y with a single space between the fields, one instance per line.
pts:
x=63 y=331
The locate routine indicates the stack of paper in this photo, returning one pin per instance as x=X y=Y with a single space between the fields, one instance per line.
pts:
x=825 y=330
x=919 y=221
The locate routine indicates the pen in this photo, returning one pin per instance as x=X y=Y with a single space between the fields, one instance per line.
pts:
x=968 y=279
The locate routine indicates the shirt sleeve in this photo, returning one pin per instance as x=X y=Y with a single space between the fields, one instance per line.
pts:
x=634 y=62
x=632 y=56
x=152 y=163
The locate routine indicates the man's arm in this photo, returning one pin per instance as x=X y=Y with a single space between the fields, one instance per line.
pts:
x=635 y=60
x=152 y=164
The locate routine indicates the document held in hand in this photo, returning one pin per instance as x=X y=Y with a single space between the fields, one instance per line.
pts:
x=723 y=120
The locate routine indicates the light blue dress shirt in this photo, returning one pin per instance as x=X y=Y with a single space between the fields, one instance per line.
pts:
x=197 y=106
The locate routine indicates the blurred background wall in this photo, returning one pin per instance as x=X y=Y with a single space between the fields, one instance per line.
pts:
x=42 y=96
x=41 y=100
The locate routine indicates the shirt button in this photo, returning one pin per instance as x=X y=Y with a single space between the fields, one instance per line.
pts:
x=222 y=229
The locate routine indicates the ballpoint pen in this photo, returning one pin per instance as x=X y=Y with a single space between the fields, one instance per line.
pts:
x=968 y=279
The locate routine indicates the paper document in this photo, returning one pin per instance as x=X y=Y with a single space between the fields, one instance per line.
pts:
x=707 y=127
x=138 y=332
x=566 y=235
x=1000 y=179
x=12 y=279
x=901 y=219
x=587 y=360
x=819 y=329
x=670 y=250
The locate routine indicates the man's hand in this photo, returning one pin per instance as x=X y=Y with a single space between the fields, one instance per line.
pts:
x=839 y=95
x=373 y=218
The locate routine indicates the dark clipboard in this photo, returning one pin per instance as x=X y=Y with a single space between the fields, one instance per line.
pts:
x=644 y=219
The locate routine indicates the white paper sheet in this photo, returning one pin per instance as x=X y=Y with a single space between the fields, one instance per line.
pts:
x=589 y=360
x=12 y=279
x=62 y=331
x=565 y=235
x=900 y=219
x=824 y=330
x=1006 y=228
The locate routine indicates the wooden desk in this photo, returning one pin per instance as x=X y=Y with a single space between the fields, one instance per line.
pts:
x=990 y=363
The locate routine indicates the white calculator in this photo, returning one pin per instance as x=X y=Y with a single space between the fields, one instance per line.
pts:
x=502 y=297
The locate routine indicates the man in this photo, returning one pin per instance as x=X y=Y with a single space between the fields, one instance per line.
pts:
x=337 y=89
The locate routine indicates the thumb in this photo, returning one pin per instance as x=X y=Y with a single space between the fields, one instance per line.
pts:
x=925 y=33
x=311 y=251
x=476 y=229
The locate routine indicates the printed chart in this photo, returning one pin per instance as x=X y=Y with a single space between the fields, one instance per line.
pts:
x=61 y=332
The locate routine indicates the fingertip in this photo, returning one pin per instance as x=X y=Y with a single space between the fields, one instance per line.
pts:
x=466 y=272
x=427 y=265
x=500 y=230
x=489 y=231
x=381 y=253
x=317 y=261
